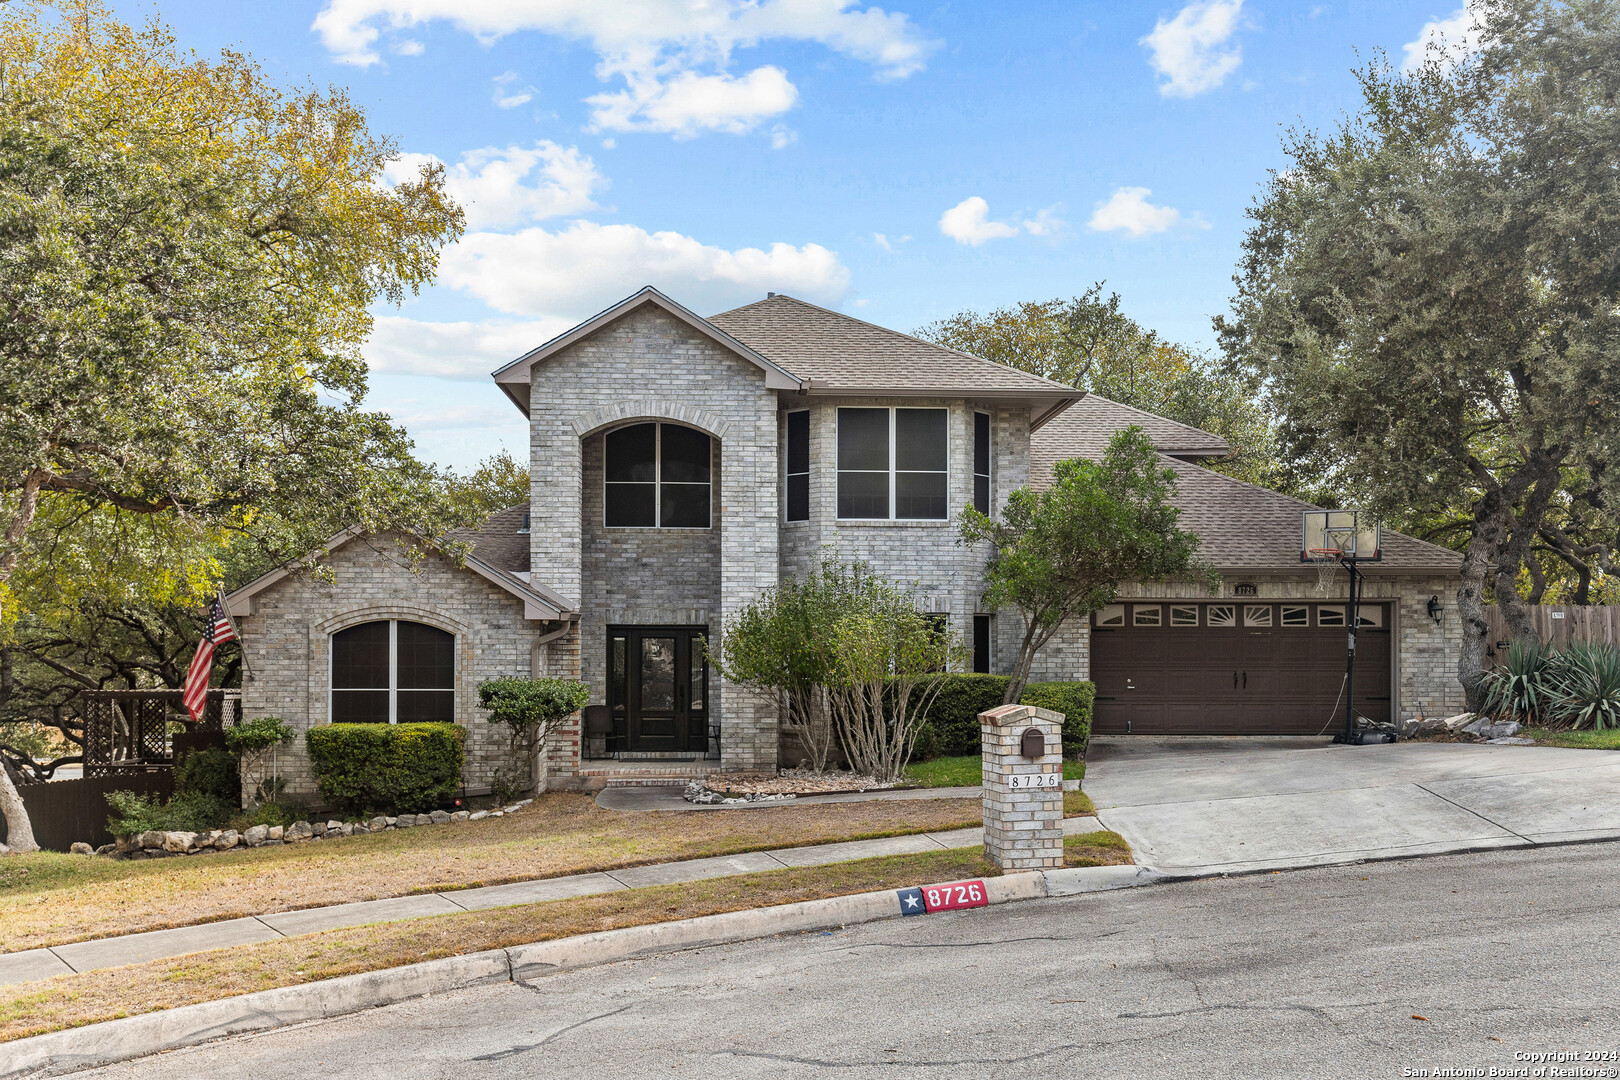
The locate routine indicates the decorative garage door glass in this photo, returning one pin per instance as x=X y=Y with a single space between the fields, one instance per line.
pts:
x=1234 y=668
x=658 y=683
x=393 y=672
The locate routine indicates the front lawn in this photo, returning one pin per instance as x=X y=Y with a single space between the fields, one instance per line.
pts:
x=53 y=899
x=1096 y=849
x=967 y=771
x=1578 y=740
x=73 y=1000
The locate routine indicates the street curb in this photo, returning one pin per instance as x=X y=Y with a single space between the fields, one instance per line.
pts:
x=138 y=1036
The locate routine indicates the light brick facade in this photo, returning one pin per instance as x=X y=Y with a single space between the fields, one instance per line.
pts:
x=287 y=639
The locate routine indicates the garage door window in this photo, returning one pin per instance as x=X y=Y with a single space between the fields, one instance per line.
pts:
x=1184 y=615
x=1330 y=616
x=1296 y=615
x=1222 y=615
x=1256 y=614
x=1111 y=615
x=1147 y=615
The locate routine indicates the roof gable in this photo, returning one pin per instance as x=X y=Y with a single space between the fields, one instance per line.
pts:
x=513 y=378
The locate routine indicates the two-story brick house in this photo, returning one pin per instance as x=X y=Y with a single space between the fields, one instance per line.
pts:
x=680 y=465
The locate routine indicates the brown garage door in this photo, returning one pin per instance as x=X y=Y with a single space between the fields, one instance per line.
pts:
x=1234 y=668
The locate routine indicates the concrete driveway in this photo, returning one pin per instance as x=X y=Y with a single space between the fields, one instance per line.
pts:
x=1207 y=805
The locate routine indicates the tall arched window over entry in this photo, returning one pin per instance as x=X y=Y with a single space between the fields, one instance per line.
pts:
x=393 y=672
x=656 y=476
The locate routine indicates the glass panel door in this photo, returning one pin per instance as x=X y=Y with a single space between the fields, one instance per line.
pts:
x=658 y=685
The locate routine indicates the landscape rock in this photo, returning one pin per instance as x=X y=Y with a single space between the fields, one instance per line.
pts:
x=392 y=821
x=378 y=824
x=226 y=840
x=1512 y=740
x=347 y=828
x=407 y=821
x=439 y=817
x=459 y=816
x=81 y=848
x=107 y=849
x=496 y=813
x=299 y=830
x=149 y=840
x=478 y=815
x=334 y=826
x=1458 y=722
x=178 y=842
x=1504 y=729
x=257 y=835
x=1476 y=727
x=277 y=832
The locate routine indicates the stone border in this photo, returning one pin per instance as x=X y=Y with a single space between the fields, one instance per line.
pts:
x=138 y=1036
x=160 y=844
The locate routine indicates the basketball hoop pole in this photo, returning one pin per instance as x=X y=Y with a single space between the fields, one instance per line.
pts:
x=1348 y=735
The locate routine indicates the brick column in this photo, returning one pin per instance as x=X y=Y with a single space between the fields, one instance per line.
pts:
x=1023 y=796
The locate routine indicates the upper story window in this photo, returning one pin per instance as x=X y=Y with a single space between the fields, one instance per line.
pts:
x=892 y=463
x=656 y=476
x=981 y=462
x=798 y=465
x=393 y=672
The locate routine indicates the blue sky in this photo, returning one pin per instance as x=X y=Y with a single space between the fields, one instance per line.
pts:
x=898 y=163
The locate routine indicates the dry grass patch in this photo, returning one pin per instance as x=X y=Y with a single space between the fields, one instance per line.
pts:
x=73 y=1000
x=52 y=899
x=1078 y=804
x=1096 y=849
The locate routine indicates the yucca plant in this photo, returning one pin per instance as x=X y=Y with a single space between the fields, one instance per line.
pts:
x=1522 y=688
x=1586 y=687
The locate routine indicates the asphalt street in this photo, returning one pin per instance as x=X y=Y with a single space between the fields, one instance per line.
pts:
x=1449 y=962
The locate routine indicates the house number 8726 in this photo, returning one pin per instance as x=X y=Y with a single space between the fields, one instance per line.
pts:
x=1026 y=781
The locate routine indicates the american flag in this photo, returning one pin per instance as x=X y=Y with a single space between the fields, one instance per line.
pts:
x=218 y=631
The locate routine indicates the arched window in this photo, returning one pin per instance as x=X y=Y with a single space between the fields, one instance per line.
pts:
x=393 y=672
x=656 y=476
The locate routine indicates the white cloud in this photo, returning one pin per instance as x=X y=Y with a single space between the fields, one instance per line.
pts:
x=453 y=350
x=509 y=93
x=490 y=183
x=584 y=267
x=1128 y=210
x=407 y=47
x=1454 y=36
x=671 y=54
x=968 y=222
x=1187 y=49
x=688 y=104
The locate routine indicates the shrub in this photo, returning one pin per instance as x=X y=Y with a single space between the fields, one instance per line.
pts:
x=1585 y=680
x=1522 y=688
x=531 y=709
x=251 y=742
x=1074 y=700
x=133 y=814
x=209 y=772
x=952 y=727
x=406 y=767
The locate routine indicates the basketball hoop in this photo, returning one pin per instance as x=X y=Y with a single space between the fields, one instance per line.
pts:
x=1326 y=561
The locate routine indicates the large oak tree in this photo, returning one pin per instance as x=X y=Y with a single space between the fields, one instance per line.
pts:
x=1430 y=293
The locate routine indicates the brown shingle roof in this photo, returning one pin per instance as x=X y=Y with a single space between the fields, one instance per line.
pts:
x=1086 y=427
x=841 y=354
x=1240 y=526
x=497 y=542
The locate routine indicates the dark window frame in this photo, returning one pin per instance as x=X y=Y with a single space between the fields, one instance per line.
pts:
x=893 y=472
x=984 y=627
x=796 y=503
x=394 y=687
x=983 y=432
x=658 y=483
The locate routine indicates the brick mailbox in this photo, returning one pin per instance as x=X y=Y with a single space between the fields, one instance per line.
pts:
x=1023 y=787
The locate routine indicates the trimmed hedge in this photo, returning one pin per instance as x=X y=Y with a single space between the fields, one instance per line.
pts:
x=410 y=768
x=211 y=773
x=952 y=727
x=1074 y=700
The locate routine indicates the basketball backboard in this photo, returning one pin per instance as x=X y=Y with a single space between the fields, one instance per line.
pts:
x=1353 y=532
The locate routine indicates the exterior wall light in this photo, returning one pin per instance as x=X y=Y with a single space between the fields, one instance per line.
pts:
x=1435 y=609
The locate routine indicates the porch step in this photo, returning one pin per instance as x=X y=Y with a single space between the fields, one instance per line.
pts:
x=648 y=773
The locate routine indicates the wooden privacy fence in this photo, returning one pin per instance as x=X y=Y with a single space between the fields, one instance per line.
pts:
x=64 y=812
x=133 y=730
x=1558 y=624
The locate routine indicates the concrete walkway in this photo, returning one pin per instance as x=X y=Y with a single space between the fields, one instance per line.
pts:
x=158 y=944
x=1201 y=806
x=670 y=797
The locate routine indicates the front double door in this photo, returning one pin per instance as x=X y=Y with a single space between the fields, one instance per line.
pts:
x=658 y=688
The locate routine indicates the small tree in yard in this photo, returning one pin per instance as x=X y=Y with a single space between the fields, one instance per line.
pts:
x=532 y=709
x=886 y=662
x=1063 y=553
x=774 y=648
x=253 y=743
